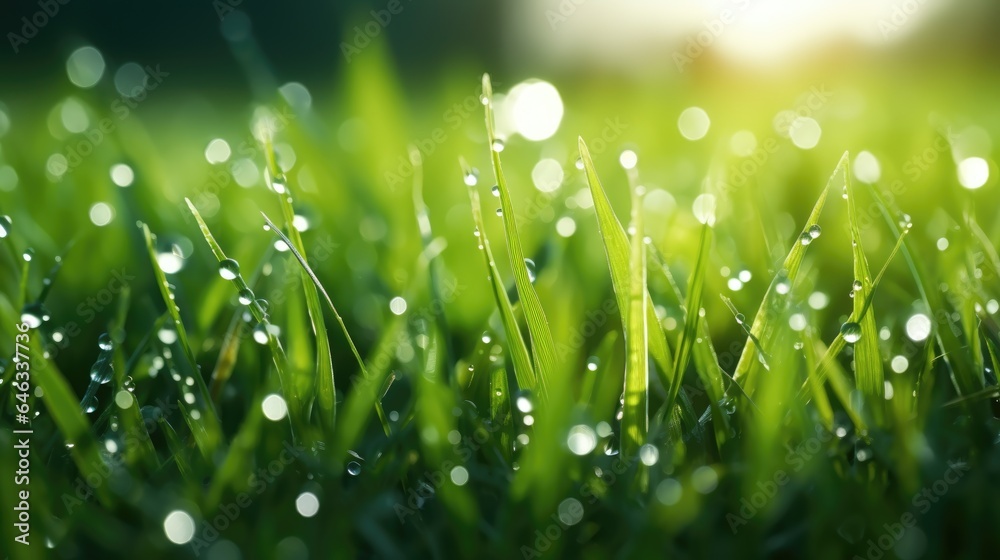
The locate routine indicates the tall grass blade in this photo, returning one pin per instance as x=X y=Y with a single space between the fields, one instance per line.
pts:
x=635 y=411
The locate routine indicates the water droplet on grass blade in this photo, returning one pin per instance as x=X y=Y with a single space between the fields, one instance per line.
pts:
x=229 y=269
x=34 y=315
x=260 y=334
x=805 y=238
x=472 y=177
x=498 y=145
x=246 y=296
x=851 y=332
x=354 y=468
x=104 y=342
x=740 y=318
x=496 y=191
x=499 y=211
x=530 y=265
x=90 y=405
x=815 y=231
x=4 y=226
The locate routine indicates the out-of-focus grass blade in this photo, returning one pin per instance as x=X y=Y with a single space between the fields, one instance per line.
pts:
x=236 y=465
x=542 y=345
x=326 y=387
x=819 y=396
x=64 y=408
x=524 y=372
x=179 y=453
x=635 y=411
x=208 y=436
x=774 y=301
x=696 y=287
x=617 y=250
x=500 y=411
x=870 y=378
x=310 y=274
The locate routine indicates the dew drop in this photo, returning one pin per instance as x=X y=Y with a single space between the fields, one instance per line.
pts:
x=104 y=342
x=4 y=226
x=354 y=468
x=472 y=177
x=530 y=265
x=129 y=384
x=260 y=334
x=229 y=269
x=498 y=145
x=34 y=315
x=740 y=318
x=90 y=405
x=851 y=332
x=496 y=191
x=246 y=296
x=815 y=231
x=857 y=285
x=499 y=211
x=805 y=238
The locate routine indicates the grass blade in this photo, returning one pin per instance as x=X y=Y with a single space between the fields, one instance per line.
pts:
x=542 y=345
x=524 y=372
x=774 y=301
x=635 y=412
x=867 y=362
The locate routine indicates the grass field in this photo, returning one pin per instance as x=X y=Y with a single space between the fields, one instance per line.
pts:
x=380 y=325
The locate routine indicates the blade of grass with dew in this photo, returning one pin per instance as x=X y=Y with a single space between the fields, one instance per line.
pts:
x=542 y=345
x=294 y=401
x=64 y=408
x=763 y=326
x=635 y=409
x=604 y=377
x=139 y=448
x=524 y=372
x=868 y=373
x=319 y=286
x=960 y=368
x=208 y=436
x=326 y=386
x=819 y=397
x=616 y=248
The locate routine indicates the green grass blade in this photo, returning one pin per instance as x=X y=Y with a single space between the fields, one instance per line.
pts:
x=208 y=436
x=635 y=411
x=617 y=250
x=770 y=308
x=542 y=345
x=867 y=362
x=319 y=286
x=524 y=372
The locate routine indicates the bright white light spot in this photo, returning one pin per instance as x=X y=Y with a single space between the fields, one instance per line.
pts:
x=743 y=143
x=942 y=244
x=167 y=336
x=217 y=151
x=992 y=306
x=918 y=327
x=537 y=110
x=307 y=504
x=704 y=479
x=704 y=208
x=745 y=276
x=122 y=175
x=274 y=407
x=85 y=67
x=582 y=439
x=867 y=168
x=459 y=475
x=818 y=300
x=101 y=214
x=111 y=446
x=888 y=390
x=693 y=123
x=805 y=132
x=547 y=175
x=566 y=226
x=179 y=527
x=734 y=284
x=973 y=172
x=649 y=455
x=397 y=305
x=797 y=322
x=628 y=159
x=170 y=263
x=899 y=364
